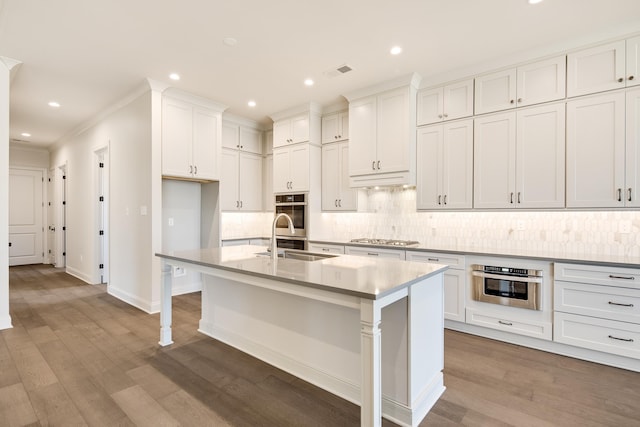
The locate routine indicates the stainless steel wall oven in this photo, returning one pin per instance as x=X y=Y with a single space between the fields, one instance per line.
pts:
x=294 y=205
x=516 y=287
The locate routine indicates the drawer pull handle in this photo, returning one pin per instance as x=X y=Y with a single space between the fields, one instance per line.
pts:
x=372 y=254
x=433 y=259
x=611 y=276
x=620 y=304
x=505 y=323
x=621 y=339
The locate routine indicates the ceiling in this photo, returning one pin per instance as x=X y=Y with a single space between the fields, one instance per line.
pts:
x=88 y=55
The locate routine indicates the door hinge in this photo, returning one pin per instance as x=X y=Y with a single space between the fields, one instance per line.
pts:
x=64 y=254
x=49 y=179
x=101 y=164
x=101 y=232
x=49 y=203
x=64 y=176
x=64 y=202
x=64 y=228
x=101 y=266
x=101 y=198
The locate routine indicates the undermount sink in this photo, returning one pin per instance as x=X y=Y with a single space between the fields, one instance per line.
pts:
x=299 y=255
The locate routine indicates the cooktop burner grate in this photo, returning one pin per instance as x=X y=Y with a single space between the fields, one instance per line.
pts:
x=386 y=242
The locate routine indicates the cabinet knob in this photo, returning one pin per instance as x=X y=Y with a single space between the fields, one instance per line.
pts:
x=439 y=199
x=519 y=99
x=629 y=198
x=195 y=170
x=335 y=202
x=339 y=203
x=191 y=169
x=511 y=101
x=620 y=80
x=511 y=199
x=446 y=115
x=237 y=204
x=373 y=165
x=519 y=197
x=631 y=77
x=439 y=116
x=335 y=137
x=378 y=164
x=619 y=194
x=445 y=199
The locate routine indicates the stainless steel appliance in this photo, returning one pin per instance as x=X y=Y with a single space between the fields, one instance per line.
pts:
x=386 y=242
x=516 y=287
x=296 y=207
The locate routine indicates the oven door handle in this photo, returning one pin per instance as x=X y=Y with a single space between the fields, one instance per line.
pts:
x=528 y=279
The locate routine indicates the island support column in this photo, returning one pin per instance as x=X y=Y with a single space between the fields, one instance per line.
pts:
x=165 y=305
x=370 y=355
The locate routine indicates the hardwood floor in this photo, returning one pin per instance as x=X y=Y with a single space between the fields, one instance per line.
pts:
x=77 y=356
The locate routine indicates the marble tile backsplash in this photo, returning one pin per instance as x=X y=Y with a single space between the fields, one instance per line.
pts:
x=391 y=214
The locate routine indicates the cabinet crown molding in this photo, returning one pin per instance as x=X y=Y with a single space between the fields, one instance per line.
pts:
x=413 y=80
x=241 y=121
x=311 y=107
x=195 y=99
x=13 y=65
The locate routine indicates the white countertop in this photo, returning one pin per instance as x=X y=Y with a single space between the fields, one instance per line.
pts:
x=353 y=275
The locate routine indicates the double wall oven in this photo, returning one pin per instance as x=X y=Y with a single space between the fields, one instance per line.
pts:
x=296 y=206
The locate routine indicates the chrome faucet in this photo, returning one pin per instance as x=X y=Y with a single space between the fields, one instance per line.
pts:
x=274 y=243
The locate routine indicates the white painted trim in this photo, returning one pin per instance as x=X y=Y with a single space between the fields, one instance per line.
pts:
x=309 y=108
x=129 y=299
x=5 y=322
x=410 y=80
x=78 y=275
x=175 y=93
x=549 y=346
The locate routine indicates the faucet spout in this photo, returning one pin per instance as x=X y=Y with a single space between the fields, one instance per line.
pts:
x=274 y=242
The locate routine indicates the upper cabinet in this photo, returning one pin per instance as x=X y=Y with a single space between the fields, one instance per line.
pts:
x=336 y=193
x=605 y=67
x=241 y=137
x=519 y=159
x=533 y=83
x=603 y=156
x=191 y=134
x=382 y=134
x=303 y=127
x=449 y=102
x=335 y=127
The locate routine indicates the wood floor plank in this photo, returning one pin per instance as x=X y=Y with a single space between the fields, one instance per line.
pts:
x=54 y=407
x=15 y=407
x=142 y=409
x=189 y=411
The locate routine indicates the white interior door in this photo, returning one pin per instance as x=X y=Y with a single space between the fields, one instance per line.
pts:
x=25 y=217
x=51 y=218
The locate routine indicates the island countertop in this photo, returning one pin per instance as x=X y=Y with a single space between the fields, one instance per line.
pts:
x=346 y=274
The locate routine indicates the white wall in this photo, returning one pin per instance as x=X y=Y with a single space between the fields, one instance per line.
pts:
x=128 y=133
x=24 y=156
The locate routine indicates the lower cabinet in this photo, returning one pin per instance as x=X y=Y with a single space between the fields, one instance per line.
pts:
x=509 y=323
x=327 y=248
x=598 y=308
x=455 y=281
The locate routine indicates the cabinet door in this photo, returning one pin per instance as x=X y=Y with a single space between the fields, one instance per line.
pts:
x=596 y=69
x=176 y=138
x=348 y=200
x=300 y=128
x=281 y=133
x=633 y=61
x=429 y=167
x=595 y=151
x=343 y=128
x=457 y=165
x=330 y=128
x=542 y=81
x=632 y=168
x=281 y=175
x=267 y=187
x=430 y=106
x=299 y=167
x=250 y=140
x=362 y=128
x=330 y=177
x=495 y=92
x=230 y=135
x=458 y=100
x=250 y=181
x=206 y=148
x=393 y=131
x=540 y=160
x=229 y=200
x=494 y=161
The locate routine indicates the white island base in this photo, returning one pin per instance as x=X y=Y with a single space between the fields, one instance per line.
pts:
x=385 y=354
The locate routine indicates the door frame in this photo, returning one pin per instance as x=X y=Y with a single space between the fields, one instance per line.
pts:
x=101 y=186
x=59 y=213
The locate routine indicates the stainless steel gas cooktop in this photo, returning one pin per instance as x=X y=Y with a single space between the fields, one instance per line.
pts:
x=386 y=242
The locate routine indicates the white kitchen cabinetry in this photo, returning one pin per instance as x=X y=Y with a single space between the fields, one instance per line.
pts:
x=294 y=130
x=335 y=127
x=375 y=252
x=241 y=137
x=292 y=167
x=267 y=184
x=326 y=248
x=241 y=182
x=598 y=307
x=529 y=84
x=190 y=140
x=455 y=281
x=336 y=193
x=381 y=135
x=519 y=159
x=449 y=102
x=605 y=67
x=603 y=150
x=445 y=166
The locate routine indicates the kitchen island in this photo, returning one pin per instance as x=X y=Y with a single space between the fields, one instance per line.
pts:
x=368 y=330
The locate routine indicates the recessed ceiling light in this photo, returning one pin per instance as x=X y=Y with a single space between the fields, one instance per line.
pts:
x=251 y=103
x=25 y=134
x=174 y=76
x=396 y=50
x=229 y=41
x=534 y=1
x=308 y=82
x=54 y=104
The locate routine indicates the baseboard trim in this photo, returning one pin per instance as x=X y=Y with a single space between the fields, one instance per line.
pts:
x=129 y=299
x=78 y=275
x=5 y=322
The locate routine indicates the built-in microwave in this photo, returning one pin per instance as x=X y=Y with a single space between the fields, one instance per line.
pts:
x=516 y=287
x=295 y=206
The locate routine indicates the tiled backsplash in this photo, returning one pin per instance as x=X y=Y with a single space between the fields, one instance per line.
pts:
x=391 y=214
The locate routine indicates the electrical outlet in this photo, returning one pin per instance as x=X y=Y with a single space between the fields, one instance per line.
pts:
x=170 y=222
x=520 y=225
x=179 y=271
x=624 y=226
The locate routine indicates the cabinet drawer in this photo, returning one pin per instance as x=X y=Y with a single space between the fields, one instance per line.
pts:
x=327 y=248
x=598 y=275
x=375 y=252
x=608 y=336
x=540 y=330
x=621 y=304
x=452 y=260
